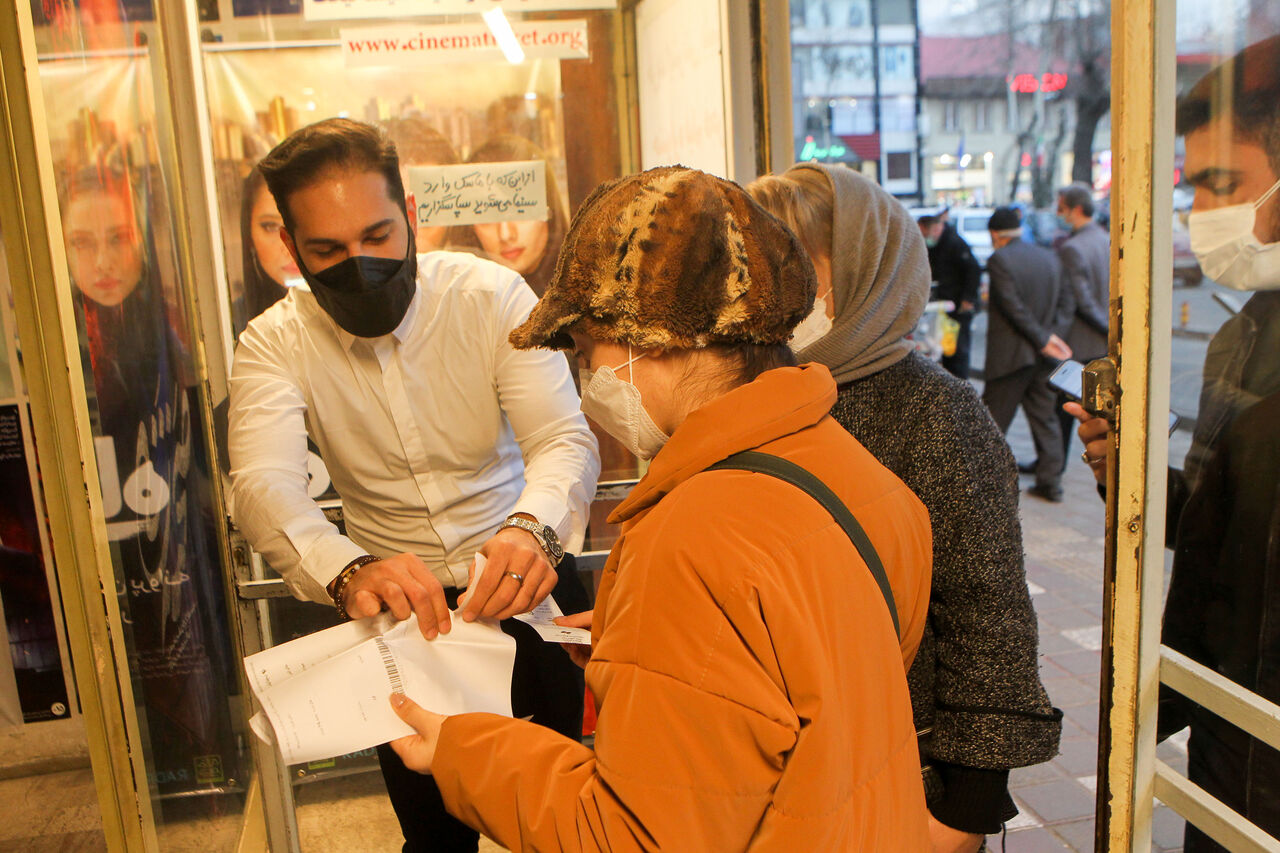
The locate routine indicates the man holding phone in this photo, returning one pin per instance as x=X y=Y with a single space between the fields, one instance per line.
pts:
x=1223 y=508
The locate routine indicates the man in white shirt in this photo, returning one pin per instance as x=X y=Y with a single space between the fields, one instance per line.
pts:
x=442 y=440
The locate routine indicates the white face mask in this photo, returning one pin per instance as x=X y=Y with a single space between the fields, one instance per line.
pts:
x=812 y=328
x=615 y=405
x=1229 y=252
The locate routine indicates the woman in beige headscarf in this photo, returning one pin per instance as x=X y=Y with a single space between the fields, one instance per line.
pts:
x=975 y=687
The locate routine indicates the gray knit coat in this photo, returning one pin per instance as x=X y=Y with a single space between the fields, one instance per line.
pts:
x=975 y=683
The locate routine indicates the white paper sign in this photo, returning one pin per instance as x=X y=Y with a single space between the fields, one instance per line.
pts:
x=332 y=10
x=479 y=192
x=416 y=46
x=680 y=71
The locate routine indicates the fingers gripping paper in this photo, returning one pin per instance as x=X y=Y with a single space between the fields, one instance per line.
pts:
x=328 y=693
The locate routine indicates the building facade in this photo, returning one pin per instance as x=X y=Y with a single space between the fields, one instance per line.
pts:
x=855 y=88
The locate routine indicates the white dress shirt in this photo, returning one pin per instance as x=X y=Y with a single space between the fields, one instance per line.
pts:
x=433 y=434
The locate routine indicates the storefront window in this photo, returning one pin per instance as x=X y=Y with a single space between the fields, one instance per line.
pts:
x=98 y=68
x=450 y=99
x=855 y=87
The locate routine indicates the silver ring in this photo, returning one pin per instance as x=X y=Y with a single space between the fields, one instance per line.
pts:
x=514 y=576
x=1089 y=460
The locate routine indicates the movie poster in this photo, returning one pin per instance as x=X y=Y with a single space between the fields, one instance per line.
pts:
x=24 y=585
x=140 y=379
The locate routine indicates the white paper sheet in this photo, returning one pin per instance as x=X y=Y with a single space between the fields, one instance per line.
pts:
x=329 y=693
x=540 y=618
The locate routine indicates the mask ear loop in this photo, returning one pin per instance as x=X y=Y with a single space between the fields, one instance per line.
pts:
x=1266 y=195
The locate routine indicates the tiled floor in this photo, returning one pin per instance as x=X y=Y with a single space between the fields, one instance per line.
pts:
x=58 y=812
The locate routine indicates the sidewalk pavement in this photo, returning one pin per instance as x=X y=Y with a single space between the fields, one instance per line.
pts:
x=1064 y=547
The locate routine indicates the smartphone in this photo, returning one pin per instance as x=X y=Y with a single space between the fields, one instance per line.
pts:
x=1068 y=378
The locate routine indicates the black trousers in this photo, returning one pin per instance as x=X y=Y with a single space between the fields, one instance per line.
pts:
x=957 y=364
x=545 y=683
x=1029 y=387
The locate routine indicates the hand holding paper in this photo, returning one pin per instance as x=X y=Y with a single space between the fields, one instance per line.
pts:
x=417 y=751
x=329 y=693
x=401 y=584
x=510 y=577
x=579 y=650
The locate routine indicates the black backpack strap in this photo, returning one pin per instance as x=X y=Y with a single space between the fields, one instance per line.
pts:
x=776 y=466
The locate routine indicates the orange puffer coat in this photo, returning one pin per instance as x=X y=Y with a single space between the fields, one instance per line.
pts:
x=752 y=692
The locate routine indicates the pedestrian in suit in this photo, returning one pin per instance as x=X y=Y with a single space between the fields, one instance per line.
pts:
x=1028 y=310
x=958 y=275
x=1086 y=263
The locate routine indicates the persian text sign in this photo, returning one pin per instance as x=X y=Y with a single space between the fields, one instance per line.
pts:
x=332 y=10
x=407 y=45
x=479 y=192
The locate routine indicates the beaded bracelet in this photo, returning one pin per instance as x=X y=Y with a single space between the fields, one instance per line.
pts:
x=340 y=584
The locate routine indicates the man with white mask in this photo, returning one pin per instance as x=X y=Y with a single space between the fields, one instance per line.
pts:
x=1223 y=608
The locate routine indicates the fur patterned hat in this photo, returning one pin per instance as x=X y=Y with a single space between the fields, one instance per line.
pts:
x=673 y=258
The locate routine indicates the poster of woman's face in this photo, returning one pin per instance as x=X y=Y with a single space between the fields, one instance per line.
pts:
x=104 y=248
x=265 y=225
x=518 y=245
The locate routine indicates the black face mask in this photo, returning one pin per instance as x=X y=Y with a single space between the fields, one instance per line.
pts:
x=366 y=296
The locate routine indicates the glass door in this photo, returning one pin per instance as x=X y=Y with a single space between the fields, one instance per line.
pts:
x=432 y=75
x=1193 y=574
x=101 y=270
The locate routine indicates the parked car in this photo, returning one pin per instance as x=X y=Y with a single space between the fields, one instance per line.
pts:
x=971 y=222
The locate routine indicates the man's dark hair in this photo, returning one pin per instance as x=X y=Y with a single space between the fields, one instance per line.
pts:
x=1247 y=88
x=335 y=143
x=928 y=221
x=1078 y=195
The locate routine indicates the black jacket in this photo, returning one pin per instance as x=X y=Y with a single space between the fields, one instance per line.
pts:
x=954 y=268
x=1028 y=303
x=1223 y=608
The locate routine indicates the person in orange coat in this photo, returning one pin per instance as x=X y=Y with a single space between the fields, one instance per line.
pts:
x=751 y=687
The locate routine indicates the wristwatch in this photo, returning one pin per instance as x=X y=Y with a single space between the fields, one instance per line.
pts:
x=546 y=537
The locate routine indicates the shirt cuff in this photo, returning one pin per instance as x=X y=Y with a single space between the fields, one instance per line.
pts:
x=323 y=562
x=548 y=511
x=972 y=800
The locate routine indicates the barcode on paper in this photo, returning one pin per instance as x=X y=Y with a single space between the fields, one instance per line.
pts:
x=389 y=661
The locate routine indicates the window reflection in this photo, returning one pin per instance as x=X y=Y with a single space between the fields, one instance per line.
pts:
x=1223 y=606
x=268 y=266
x=152 y=472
